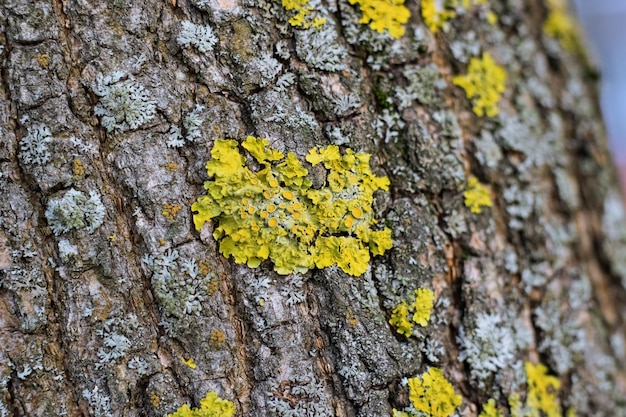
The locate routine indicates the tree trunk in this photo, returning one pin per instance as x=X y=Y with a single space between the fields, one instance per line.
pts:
x=113 y=304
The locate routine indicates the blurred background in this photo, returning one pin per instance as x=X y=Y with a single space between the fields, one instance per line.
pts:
x=604 y=22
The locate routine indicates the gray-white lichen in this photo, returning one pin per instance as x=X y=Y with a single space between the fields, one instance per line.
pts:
x=74 y=211
x=201 y=37
x=123 y=104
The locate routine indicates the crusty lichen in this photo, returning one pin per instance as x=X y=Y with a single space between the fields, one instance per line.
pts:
x=389 y=15
x=483 y=84
x=210 y=406
x=275 y=213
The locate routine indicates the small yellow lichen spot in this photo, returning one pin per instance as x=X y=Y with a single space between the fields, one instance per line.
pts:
x=397 y=413
x=318 y=22
x=44 y=59
x=171 y=167
x=492 y=18
x=490 y=410
x=351 y=318
x=515 y=405
x=561 y=26
x=272 y=222
x=433 y=394
x=213 y=286
x=542 y=390
x=79 y=169
x=217 y=339
x=389 y=15
x=303 y=10
x=400 y=319
x=477 y=196
x=423 y=304
x=418 y=311
x=155 y=400
x=483 y=84
x=433 y=17
x=170 y=211
x=189 y=362
x=210 y=406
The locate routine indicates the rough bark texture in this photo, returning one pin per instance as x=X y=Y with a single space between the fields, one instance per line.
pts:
x=95 y=319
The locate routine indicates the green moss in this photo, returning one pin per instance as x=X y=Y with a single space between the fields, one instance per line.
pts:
x=276 y=214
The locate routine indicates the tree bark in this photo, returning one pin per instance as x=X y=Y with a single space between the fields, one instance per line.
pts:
x=109 y=112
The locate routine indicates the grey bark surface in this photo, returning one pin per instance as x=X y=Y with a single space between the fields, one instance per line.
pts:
x=96 y=319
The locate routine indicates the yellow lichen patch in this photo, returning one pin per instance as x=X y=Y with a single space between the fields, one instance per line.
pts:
x=170 y=211
x=543 y=391
x=397 y=413
x=44 y=59
x=400 y=319
x=515 y=405
x=303 y=10
x=418 y=311
x=490 y=410
x=154 y=399
x=389 y=15
x=189 y=362
x=433 y=394
x=210 y=406
x=171 y=166
x=217 y=339
x=435 y=17
x=274 y=213
x=477 y=196
x=78 y=169
x=351 y=318
x=561 y=26
x=483 y=84
x=423 y=304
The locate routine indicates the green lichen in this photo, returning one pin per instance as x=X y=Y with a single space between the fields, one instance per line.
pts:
x=483 y=84
x=210 y=406
x=275 y=213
